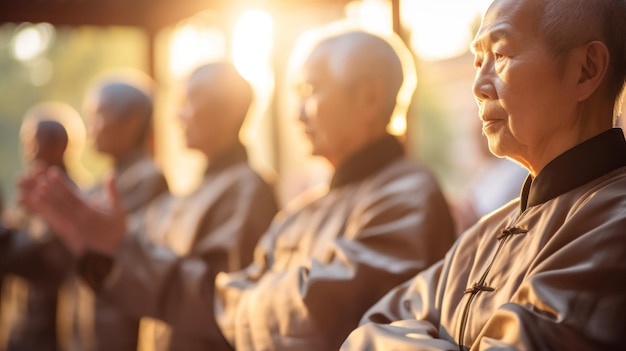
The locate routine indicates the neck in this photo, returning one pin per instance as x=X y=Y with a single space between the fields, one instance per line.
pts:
x=357 y=144
x=589 y=122
x=122 y=161
x=218 y=148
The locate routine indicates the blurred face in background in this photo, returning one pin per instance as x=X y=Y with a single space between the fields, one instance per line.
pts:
x=204 y=115
x=114 y=130
x=327 y=110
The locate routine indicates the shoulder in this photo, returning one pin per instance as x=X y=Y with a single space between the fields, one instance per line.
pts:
x=406 y=171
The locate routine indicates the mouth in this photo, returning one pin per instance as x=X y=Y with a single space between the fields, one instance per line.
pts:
x=489 y=119
x=490 y=115
x=488 y=124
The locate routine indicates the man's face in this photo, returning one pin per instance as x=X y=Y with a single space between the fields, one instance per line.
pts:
x=521 y=94
x=200 y=114
x=105 y=126
x=326 y=111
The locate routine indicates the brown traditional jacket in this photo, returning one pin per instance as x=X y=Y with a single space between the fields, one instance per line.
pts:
x=545 y=272
x=220 y=223
x=325 y=261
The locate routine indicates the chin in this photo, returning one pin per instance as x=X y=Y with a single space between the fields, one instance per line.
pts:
x=316 y=151
x=496 y=146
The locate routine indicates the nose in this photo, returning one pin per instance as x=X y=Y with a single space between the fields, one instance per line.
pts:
x=302 y=117
x=308 y=109
x=483 y=86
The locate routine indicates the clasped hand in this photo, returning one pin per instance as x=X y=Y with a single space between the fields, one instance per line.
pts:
x=80 y=223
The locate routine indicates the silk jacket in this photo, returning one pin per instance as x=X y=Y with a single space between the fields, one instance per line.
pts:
x=220 y=223
x=325 y=261
x=545 y=272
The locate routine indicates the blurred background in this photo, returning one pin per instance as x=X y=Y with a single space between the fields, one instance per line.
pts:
x=55 y=49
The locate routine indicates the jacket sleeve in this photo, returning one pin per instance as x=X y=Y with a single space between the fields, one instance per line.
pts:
x=398 y=230
x=229 y=232
x=407 y=318
x=141 y=188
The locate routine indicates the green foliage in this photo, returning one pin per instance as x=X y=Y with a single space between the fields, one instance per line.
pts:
x=77 y=55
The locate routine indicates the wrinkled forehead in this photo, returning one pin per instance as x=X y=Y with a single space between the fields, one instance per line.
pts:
x=522 y=14
x=516 y=20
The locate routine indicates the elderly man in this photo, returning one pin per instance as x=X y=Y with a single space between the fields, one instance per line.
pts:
x=544 y=272
x=221 y=222
x=119 y=115
x=325 y=259
x=120 y=120
x=36 y=259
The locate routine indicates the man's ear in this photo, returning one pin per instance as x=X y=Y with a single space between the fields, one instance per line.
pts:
x=137 y=127
x=595 y=60
x=371 y=96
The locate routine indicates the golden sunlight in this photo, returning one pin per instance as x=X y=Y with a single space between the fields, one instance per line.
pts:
x=252 y=45
x=371 y=15
x=252 y=41
x=192 y=45
x=32 y=40
x=441 y=29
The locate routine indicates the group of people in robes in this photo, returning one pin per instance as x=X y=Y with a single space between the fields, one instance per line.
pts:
x=371 y=261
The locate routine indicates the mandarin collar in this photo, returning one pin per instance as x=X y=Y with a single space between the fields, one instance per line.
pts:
x=129 y=160
x=579 y=165
x=367 y=161
x=234 y=154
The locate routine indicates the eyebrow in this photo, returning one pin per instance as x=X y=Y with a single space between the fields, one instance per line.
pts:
x=493 y=37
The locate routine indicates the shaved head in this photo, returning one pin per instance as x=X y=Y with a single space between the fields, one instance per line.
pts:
x=127 y=101
x=224 y=78
x=215 y=104
x=351 y=56
x=51 y=133
x=349 y=87
x=569 y=23
x=48 y=130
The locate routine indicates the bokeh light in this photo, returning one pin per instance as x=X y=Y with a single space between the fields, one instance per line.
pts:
x=31 y=40
x=252 y=45
x=194 y=43
x=441 y=29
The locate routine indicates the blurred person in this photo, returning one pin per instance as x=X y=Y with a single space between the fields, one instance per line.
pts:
x=220 y=223
x=37 y=261
x=544 y=272
x=119 y=113
x=328 y=256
